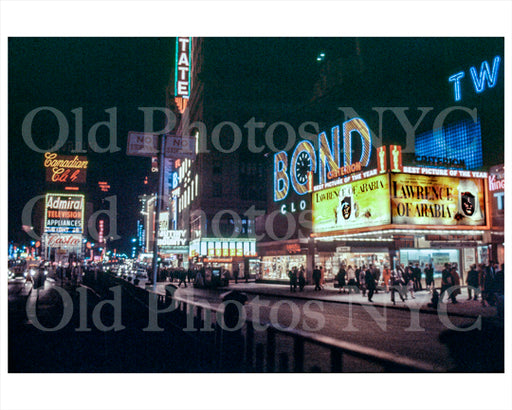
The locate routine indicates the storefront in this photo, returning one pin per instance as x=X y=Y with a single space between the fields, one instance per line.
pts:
x=424 y=216
x=278 y=258
x=228 y=254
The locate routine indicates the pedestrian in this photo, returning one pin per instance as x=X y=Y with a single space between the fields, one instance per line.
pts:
x=386 y=276
x=434 y=302
x=416 y=273
x=482 y=282
x=341 y=279
x=183 y=278
x=370 y=283
x=322 y=277
x=396 y=285
x=456 y=284
x=293 y=279
x=447 y=282
x=362 y=280
x=302 y=279
x=235 y=275
x=317 y=276
x=409 y=280
x=429 y=277
x=351 y=279
x=376 y=276
x=472 y=282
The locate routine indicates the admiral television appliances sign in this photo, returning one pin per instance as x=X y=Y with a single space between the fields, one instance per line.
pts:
x=64 y=213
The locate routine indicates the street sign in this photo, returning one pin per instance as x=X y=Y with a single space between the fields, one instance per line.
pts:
x=180 y=147
x=146 y=145
x=142 y=144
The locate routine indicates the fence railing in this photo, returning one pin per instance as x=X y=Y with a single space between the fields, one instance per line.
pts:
x=263 y=347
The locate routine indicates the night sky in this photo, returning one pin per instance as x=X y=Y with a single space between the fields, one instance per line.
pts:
x=100 y=73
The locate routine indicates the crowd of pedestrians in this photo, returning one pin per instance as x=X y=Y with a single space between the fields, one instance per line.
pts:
x=483 y=281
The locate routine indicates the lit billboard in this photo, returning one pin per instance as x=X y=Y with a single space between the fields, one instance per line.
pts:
x=357 y=204
x=437 y=200
x=64 y=213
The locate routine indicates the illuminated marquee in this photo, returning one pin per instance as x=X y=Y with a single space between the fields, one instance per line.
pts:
x=354 y=205
x=437 y=200
x=65 y=169
x=330 y=163
x=64 y=213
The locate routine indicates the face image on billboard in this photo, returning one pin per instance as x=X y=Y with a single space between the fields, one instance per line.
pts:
x=437 y=200
x=358 y=204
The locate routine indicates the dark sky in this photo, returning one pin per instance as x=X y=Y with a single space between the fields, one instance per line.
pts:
x=100 y=73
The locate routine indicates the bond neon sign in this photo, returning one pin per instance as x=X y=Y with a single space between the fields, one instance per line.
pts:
x=330 y=162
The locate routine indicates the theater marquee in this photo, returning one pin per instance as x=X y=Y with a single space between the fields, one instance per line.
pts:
x=437 y=200
x=357 y=204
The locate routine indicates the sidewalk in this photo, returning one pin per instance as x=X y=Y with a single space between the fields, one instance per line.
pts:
x=464 y=307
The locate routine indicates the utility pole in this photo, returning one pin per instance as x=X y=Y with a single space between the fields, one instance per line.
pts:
x=158 y=209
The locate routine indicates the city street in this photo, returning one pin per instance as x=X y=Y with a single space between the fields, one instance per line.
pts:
x=409 y=329
x=274 y=201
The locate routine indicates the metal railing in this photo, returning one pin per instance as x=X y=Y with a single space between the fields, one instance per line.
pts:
x=239 y=350
x=254 y=347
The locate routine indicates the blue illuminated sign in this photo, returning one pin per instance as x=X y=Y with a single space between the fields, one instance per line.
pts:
x=330 y=158
x=461 y=141
x=480 y=79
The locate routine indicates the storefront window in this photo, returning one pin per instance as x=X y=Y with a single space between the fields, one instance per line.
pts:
x=277 y=267
x=332 y=262
x=436 y=257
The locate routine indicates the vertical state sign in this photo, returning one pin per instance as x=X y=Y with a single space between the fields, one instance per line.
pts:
x=64 y=213
x=358 y=204
x=182 y=67
x=433 y=200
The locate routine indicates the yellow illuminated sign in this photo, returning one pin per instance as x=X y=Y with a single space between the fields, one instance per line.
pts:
x=432 y=200
x=357 y=204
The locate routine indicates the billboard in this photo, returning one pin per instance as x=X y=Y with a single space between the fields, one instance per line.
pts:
x=358 y=204
x=437 y=200
x=64 y=213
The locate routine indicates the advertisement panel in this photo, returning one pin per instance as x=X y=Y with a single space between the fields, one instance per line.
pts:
x=63 y=240
x=437 y=200
x=64 y=213
x=357 y=204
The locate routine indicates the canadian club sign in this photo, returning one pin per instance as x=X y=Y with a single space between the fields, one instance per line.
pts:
x=65 y=169
x=62 y=241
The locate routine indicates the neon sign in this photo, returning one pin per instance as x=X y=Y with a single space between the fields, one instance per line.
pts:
x=329 y=163
x=64 y=213
x=65 y=169
x=182 y=67
x=480 y=79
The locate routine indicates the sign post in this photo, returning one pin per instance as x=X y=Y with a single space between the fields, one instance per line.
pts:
x=158 y=210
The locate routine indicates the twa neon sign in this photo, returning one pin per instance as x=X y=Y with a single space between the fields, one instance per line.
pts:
x=330 y=161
